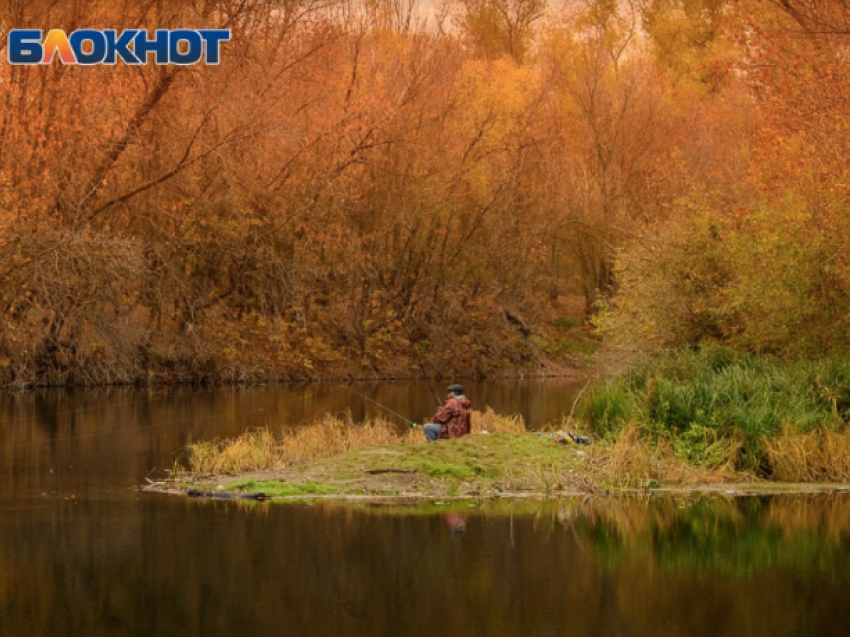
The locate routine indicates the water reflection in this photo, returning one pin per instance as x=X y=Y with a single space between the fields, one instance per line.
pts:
x=84 y=554
x=617 y=568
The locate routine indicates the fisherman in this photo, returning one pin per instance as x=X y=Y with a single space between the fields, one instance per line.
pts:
x=453 y=419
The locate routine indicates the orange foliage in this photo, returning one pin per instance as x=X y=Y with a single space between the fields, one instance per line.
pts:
x=361 y=185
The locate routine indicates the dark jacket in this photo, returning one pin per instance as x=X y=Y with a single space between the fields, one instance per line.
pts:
x=455 y=417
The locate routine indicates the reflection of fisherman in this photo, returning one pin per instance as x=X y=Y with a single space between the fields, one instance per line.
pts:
x=457 y=523
x=453 y=419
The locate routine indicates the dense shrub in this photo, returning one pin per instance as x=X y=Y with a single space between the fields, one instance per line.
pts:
x=712 y=400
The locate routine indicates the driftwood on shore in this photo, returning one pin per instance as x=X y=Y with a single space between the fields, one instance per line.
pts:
x=227 y=495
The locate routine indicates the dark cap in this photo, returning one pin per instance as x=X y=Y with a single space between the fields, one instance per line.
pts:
x=455 y=389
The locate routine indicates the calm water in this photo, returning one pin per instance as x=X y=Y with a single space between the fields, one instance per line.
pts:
x=83 y=553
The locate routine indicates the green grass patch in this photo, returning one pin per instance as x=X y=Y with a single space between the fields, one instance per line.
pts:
x=488 y=456
x=700 y=401
x=282 y=489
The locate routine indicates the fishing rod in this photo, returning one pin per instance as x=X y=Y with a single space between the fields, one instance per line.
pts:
x=375 y=402
x=421 y=366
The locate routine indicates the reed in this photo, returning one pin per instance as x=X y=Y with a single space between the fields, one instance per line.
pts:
x=817 y=456
x=709 y=401
x=252 y=451
x=630 y=460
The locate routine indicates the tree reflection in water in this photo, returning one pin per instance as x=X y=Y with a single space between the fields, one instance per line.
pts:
x=658 y=567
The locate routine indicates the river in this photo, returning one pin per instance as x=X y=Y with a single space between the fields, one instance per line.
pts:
x=84 y=553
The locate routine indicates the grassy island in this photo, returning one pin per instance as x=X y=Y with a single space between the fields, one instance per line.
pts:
x=687 y=421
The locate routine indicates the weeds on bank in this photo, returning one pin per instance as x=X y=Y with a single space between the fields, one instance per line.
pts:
x=251 y=451
x=630 y=461
x=258 y=450
x=720 y=408
x=494 y=423
x=819 y=456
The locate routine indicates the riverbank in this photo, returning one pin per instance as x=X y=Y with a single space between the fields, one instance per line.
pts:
x=481 y=466
x=332 y=459
x=263 y=351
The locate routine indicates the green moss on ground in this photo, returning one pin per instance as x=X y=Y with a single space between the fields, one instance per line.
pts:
x=277 y=488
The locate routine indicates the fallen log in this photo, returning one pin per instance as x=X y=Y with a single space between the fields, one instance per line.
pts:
x=227 y=495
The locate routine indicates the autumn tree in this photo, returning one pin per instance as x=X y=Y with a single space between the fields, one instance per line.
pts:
x=760 y=267
x=500 y=27
x=362 y=185
x=687 y=38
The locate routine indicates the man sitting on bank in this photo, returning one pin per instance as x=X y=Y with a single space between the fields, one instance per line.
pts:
x=453 y=419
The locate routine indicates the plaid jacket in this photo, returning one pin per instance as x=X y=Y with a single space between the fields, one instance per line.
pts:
x=455 y=417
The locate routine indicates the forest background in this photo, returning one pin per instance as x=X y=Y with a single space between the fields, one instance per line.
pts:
x=384 y=187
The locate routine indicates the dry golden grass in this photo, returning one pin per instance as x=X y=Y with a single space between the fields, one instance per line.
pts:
x=493 y=423
x=251 y=451
x=259 y=450
x=818 y=456
x=630 y=461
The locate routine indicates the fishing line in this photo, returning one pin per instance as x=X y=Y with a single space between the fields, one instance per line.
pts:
x=83 y=436
x=375 y=402
x=421 y=365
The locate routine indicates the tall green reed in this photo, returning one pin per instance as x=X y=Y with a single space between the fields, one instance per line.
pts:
x=699 y=398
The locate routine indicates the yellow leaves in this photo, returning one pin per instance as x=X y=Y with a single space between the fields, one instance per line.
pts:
x=500 y=89
x=496 y=97
x=687 y=40
x=390 y=45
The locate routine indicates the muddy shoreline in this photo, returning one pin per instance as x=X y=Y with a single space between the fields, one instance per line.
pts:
x=717 y=490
